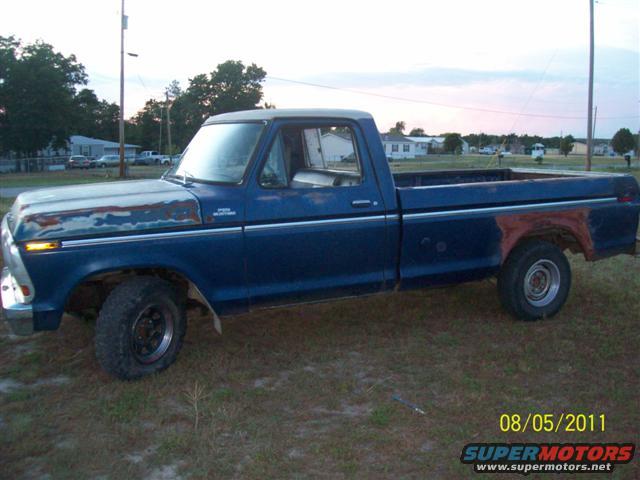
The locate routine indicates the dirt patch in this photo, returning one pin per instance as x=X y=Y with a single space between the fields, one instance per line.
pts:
x=166 y=472
x=23 y=348
x=56 y=381
x=139 y=457
x=7 y=385
x=346 y=410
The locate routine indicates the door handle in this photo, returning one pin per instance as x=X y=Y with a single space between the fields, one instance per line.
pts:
x=361 y=203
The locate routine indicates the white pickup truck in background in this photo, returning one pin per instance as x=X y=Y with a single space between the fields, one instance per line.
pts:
x=149 y=157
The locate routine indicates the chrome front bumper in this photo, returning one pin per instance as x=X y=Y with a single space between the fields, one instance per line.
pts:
x=18 y=315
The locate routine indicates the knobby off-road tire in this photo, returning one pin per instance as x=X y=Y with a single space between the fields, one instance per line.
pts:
x=140 y=328
x=534 y=281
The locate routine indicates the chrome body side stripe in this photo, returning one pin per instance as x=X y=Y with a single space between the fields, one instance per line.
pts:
x=331 y=221
x=149 y=236
x=509 y=208
x=217 y=231
x=314 y=223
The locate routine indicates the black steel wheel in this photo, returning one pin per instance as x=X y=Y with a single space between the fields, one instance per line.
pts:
x=140 y=328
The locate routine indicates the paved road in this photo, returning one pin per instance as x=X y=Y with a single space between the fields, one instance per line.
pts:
x=9 y=192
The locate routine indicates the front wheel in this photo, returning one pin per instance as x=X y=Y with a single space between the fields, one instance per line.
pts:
x=535 y=280
x=140 y=328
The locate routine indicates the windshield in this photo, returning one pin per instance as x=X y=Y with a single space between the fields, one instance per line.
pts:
x=219 y=152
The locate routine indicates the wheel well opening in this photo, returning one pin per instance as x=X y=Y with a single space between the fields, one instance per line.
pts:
x=562 y=238
x=88 y=296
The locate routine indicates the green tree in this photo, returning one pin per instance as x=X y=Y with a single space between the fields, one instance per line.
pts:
x=236 y=87
x=145 y=125
x=417 y=132
x=452 y=142
x=398 y=129
x=623 y=141
x=232 y=86
x=95 y=118
x=37 y=96
x=484 y=139
x=566 y=145
x=528 y=140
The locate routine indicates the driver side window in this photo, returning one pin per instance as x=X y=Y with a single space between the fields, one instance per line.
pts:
x=312 y=157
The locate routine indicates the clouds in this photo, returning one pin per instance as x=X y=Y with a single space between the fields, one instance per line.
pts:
x=487 y=55
x=614 y=66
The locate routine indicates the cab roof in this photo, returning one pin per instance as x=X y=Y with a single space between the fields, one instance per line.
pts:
x=273 y=113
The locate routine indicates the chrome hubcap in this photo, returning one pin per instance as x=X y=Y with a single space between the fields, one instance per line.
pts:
x=152 y=333
x=541 y=283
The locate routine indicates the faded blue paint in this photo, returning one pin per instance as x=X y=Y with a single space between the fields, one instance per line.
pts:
x=103 y=208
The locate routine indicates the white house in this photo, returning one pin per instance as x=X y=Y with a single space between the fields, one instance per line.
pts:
x=90 y=147
x=427 y=145
x=336 y=146
x=396 y=146
x=422 y=144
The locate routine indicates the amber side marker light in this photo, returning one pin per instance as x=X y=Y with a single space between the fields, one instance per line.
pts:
x=40 y=246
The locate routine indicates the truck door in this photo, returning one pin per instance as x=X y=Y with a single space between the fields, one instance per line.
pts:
x=315 y=219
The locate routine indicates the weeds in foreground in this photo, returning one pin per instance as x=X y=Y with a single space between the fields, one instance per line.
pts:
x=195 y=397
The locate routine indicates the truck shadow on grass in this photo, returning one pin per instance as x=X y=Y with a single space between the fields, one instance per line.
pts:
x=306 y=391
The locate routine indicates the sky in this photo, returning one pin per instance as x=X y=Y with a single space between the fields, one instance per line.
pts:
x=495 y=66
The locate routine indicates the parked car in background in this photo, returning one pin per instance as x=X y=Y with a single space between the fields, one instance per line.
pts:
x=79 y=161
x=137 y=160
x=487 y=151
x=149 y=157
x=109 y=161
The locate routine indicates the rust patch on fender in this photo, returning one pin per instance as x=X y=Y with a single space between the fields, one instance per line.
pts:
x=574 y=222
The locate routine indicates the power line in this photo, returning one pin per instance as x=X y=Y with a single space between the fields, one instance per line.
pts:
x=438 y=104
x=535 y=89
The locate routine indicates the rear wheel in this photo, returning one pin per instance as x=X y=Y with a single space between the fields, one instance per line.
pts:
x=534 y=281
x=140 y=328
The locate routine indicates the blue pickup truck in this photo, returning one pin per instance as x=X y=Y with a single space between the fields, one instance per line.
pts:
x=273 y=207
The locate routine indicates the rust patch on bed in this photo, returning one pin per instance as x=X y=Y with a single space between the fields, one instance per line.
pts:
x=574 y=222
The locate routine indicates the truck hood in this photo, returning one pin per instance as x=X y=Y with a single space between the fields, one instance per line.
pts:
x=102 y=208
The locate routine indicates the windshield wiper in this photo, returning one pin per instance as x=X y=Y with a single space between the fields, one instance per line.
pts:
x=186 y=174
x=183 y=176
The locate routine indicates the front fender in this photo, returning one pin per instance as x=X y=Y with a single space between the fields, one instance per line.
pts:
x=214 y=264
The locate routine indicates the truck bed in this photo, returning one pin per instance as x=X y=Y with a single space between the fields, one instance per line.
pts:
x=452 y=177
x=464 y=223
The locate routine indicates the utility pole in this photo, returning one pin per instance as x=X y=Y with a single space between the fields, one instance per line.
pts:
x=123 y=26
x=590 y=117
x=169 y=123
x=595 y=120
x=160 y=141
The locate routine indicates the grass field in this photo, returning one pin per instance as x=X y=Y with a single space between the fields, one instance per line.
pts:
x=70 y=177
x=573 y=162
x=306 y=392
